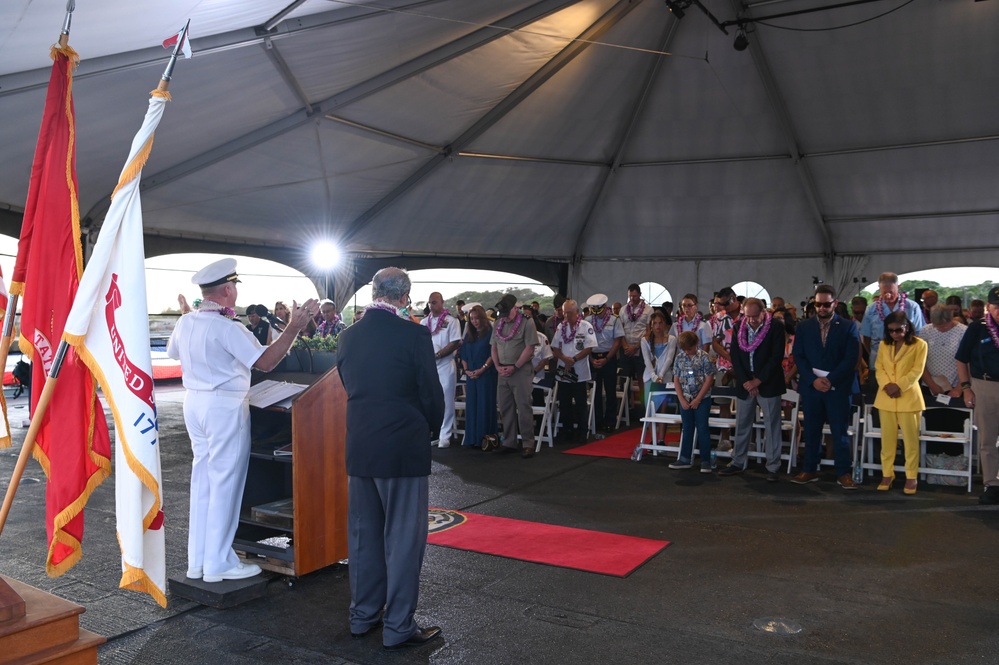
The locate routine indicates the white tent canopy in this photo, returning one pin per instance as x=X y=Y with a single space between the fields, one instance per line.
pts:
x=598 y=142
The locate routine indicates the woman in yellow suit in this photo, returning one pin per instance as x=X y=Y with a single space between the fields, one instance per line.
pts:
x=900 y=362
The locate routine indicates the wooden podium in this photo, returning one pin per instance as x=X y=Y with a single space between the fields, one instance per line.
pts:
x=303 y=496
x=37 y=627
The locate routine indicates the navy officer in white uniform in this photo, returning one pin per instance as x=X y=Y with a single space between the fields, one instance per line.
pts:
x=445 y=333
x=216 y=353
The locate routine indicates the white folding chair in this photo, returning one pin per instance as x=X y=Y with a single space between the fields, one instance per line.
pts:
x=623 y=398
x=547 y=411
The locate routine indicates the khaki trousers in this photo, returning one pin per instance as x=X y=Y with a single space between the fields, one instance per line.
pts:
x=987 y=421
x=515 y=401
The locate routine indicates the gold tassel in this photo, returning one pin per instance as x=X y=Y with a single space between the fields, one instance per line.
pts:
x=134 y=167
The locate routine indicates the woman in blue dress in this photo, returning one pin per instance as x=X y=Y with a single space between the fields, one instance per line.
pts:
x=480 y=384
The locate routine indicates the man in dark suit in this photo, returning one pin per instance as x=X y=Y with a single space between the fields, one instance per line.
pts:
x=395 y=407
x=757 y=353
x=826 y=349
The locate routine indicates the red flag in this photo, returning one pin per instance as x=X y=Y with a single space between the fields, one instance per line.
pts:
x=4 y=424
x=73 y=446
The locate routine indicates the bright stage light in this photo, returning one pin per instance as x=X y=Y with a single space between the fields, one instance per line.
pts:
x=325 y=255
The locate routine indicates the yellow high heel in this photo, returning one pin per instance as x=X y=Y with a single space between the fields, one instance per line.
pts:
x=912 y=489
x=886 y=482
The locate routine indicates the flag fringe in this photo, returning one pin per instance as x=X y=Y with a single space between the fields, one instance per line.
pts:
x=136 y=579
x=134 y=167
x=70 y=170
x=4 y=440
x=71 y=55
x=134 y=464
x=66 y=515
x=162 y=94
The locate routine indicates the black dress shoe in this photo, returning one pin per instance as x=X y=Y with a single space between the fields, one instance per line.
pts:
x=990 y=497
x=772 y=477
x=417 y=639
x=730 y=470
x=367 y=632
x=527 y=453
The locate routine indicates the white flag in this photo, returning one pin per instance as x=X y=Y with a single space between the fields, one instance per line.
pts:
x=109 y=327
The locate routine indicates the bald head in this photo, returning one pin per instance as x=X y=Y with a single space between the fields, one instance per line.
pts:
x=436 y=303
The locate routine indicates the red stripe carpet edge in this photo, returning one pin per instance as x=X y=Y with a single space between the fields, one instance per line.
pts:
x=565 y=547
x=617 y=446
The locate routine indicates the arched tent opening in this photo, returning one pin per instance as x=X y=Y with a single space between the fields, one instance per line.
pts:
x=484 y=286
x=655 y=293
x=261 y=282
x=749 y=289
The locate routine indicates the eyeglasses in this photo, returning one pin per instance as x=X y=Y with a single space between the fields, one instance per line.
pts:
x=819 y=303
x=896 y=331
x=689 y=305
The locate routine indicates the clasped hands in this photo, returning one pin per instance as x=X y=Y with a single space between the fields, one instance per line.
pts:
x=752 y=387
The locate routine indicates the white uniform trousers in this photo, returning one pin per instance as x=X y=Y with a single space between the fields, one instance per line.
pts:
x=218 y=423
x=448 y=376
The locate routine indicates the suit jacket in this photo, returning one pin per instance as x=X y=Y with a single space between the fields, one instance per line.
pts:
x=395 y=404
x=904 y=370
x=838 y=357
x=767 y=361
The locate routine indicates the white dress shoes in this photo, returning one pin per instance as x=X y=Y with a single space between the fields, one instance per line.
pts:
x=238 y=572
x=194 y=573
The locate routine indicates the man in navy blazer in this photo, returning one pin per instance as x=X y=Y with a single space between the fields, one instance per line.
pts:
x=757 y=351
x=395 y=407
x=826 y=349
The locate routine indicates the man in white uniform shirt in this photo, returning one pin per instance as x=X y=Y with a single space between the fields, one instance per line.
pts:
x=609 y=332
x=635 y=319
x=216 y=353
x=445 y=332
x=572 y=345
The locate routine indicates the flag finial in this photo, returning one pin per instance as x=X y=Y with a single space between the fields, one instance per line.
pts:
x=64 y=35
x=179 y=46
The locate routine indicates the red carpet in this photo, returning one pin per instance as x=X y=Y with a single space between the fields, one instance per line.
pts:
x=590 y=551
x=619 y=446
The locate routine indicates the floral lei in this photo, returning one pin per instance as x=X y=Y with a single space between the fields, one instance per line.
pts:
x=212 y=306
x=572 y=331
x=993 y=328
x=328 y=327
x=516 y=326
x=600 y=321
x=628 y=311
x=758 y=339
x=386 y=307
x=901 y=305
x=682 y=321
x=434 y=329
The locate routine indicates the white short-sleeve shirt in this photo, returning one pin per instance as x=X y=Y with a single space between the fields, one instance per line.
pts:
x=449 y=331
x=215 y=353
x=584 y=338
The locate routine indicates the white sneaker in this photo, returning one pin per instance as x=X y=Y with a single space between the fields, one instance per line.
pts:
x=238 y=572
x=194 y=573
x=444 y=443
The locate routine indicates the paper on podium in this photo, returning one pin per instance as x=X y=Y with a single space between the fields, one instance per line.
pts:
x=268 y=393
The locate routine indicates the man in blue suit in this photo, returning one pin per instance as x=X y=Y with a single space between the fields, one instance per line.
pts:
x=826 y=349
x=395 y=407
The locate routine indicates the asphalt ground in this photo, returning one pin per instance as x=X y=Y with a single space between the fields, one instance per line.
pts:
x=830 y=576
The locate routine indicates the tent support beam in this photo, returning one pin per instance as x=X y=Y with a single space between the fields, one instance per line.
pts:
x=356 y=93
x=271 y=49
x=494 y=115
x=790 y=138
x=637 y=107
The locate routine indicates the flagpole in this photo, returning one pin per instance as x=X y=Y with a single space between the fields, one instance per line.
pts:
x=5 y=343
x=36 y=424
x=168 y=72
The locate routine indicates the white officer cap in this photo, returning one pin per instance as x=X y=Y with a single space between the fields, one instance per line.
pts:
x=219 y=272
x=596 y=300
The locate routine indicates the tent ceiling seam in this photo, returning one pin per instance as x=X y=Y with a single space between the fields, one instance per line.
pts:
x=638 y=105
x=495 y=114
